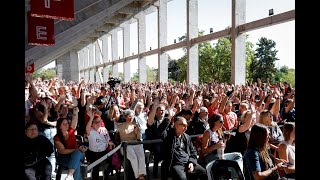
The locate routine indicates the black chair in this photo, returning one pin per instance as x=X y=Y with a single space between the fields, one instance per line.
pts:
x=224 y=169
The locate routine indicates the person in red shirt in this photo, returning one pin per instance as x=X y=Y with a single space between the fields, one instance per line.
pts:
x=69 y=154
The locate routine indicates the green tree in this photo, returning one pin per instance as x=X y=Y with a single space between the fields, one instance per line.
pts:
x=45 y=74
x=151 y=75
x=284 y=74
x=173 y=70
x=214 y=60
x=263 y=65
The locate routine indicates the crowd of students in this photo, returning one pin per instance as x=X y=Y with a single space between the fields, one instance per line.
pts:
x=255 y=119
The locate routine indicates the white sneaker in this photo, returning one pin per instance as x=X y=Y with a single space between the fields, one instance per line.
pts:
x=69 y=178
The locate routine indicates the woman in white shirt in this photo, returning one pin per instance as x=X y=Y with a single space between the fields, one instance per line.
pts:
x=286 y=148
x=99 y=141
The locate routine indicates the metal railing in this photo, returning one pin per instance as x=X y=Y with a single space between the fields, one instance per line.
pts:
x=124 y=144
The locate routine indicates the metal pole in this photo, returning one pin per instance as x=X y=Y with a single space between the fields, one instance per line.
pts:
x=125 y=166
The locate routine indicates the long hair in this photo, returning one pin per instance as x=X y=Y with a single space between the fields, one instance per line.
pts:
x=287 y=129
x=59 y=132
x=214 y=118
x=263 y=117
x=258 y=139
x=111 y=112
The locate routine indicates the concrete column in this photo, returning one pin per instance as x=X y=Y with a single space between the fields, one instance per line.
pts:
x=142 y=65
x=81 y=54
x=126 y=52
x=81 y=59
x=192 y=51
x=238 y=60
x=92 y=75
x=105 y=73
x=162 y=41
x=105 y=70
x=98 y=76
x=98 y=52
x=114 y=46
x=104 y=49
x=86 y=57
x=91 y=62
x=59 y=67
x=86 y=75
x=91 y=55
x=68 y=66
x=74 y=66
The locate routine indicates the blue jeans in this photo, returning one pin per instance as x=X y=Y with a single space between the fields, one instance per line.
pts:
x=72 y=161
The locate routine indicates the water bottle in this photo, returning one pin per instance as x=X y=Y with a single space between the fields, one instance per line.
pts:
x=220 y=151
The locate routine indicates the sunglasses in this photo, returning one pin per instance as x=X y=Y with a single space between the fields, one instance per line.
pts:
x=220 y=121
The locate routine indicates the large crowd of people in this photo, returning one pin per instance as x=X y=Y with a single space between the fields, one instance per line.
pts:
x=255 y=119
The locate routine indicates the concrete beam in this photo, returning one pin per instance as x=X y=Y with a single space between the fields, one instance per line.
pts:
x=130 y=9
x=116 y=20
x=144 y=3
x=105 y=28
x=66 y=39
x=97 y=34
x=268 y=21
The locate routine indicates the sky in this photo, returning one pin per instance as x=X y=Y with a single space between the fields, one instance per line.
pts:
x=215 y=14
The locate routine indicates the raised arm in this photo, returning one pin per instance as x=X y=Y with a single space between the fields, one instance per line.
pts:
x=153 y=111
x=74 y=121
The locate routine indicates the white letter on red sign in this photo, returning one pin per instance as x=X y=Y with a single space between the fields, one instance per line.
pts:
x=47 y=4
x=41 y=32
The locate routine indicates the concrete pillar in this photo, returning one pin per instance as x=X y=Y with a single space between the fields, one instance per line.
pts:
x=59 y=67
x=105 y=70
x=81 y=55
x=192 y=51
x=74 y=66
x=105 y=73
x=238 y=60
x=142 y=65
x=126 y=52
x=114 y=46
x=162 y=41
x=91 y=61
x=86 y=57
x=91 y=55
x=87 y=75
x=68 y=66
x=98 y=52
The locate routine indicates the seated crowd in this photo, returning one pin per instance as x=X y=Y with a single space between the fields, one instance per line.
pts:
x=255 y=120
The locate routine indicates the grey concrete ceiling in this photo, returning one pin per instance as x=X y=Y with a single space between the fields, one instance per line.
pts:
x=93 y=18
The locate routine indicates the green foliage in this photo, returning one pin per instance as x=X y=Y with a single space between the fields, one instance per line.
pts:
x=44 y=74
x=263 y=65
x=214 y=60
x=173 y=70
x=151 y=75
x=284 y=74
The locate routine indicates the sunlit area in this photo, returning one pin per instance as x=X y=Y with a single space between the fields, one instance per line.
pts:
x=214 y=16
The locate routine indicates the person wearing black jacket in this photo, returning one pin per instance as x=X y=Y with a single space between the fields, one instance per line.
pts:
x=36 y=150
x=180 y=158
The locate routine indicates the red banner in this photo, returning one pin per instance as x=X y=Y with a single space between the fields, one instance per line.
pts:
x=29 y=68
x=40 y=31
x=54 y=9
